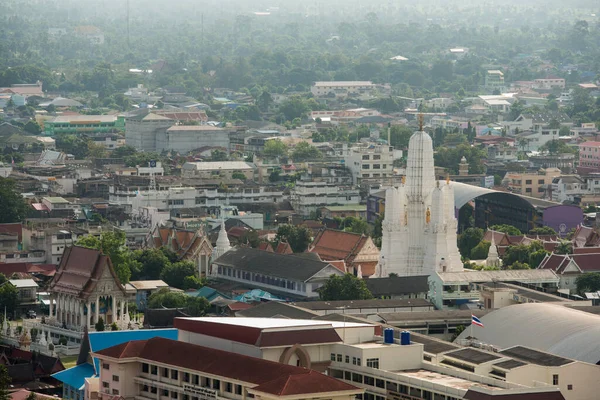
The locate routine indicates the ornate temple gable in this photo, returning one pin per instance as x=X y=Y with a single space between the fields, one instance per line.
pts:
x=572 y=267
x=368 y=252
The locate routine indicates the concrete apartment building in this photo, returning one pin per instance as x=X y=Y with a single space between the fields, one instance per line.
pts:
x=146 y=131
x=349 y=88
x=307 y=197
x=533 y=184
x=84 y=124
x=589 y=157
x=494 y=80
x=217 y=169
x=549 y=83
x=185 y=138
x=370 y=163
x=567 y=187
x=383 y=364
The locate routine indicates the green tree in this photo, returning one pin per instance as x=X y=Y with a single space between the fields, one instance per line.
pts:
x=196 y=306
x=152 y=262
x=294 y=107
x=588 y=282
x=299 y=237
x=378 y=230
x=113 y=245
x=519 y=265
x=123 y=151
x=32 y=127
x=508 y=229
x=564 y=247
x=459 y=329
x=31 y=396
x=9 y=297
x=14 y=208
x=218 y=155
x=275 y=148
x=304 y=151
x=114 y=327
x=191 y=282
x=480 y=251
x=542 y=230
x=467 y=240
x=356 y=225
x=174 y=274
x=99 y=325
x=4 y=383
x=450 y=158
x=536 y=257
x=238 y=175
x=165 y=298
x=347 y=287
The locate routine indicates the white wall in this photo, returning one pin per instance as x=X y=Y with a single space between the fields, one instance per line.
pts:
x=218 y=343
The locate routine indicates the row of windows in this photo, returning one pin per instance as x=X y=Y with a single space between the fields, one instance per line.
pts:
x=375 y=166
x=371 y=362
x=268 y=280
x=196 y=380
x=375 y=157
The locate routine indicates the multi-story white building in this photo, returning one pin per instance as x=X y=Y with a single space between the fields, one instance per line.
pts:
x=549 y=83
x=146 y=131
x=51 y=240
x=384 y=367
x=567 y=187
x=307 y=197
x=494 y=80
x=349 y=88
x=216 y=169
x=372 y=163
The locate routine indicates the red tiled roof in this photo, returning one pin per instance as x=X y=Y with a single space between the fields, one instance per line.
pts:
x=182 y=242
x=336 y=245
x=554 y=262
x=221 y=363
x=23 y=394
x=238 y=306
x=339 y=264
x=28 y=268
x=284 y=248
x=266 y=246
x=587 y=262
x=586 y=250
x=312 y=382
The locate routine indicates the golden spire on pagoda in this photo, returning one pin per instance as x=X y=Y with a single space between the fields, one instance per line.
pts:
x=421 y=121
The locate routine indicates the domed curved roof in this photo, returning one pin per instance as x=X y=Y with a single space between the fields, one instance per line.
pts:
x=552 y=328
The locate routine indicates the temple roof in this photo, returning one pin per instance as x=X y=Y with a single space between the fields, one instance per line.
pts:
x=79 y=271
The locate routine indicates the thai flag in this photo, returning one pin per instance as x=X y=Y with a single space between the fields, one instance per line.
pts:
x=476 y=321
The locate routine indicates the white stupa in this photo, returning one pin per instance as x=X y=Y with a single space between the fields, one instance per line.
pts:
x=419 y=229
x=222 y=245
x=493 y=260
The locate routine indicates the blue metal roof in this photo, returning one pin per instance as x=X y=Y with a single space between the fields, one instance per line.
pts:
x=103 y=340
x=75 y=377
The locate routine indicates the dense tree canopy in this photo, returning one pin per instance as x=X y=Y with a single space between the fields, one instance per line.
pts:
x=298 y=237
x=13 y=207
x=347 y=287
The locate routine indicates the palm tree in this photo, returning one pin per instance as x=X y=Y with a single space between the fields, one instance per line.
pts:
x=564 y=247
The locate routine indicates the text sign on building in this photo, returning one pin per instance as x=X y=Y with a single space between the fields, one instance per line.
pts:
x=488 y=181
x=202 y=393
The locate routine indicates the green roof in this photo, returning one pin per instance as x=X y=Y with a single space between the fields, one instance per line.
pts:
x=56 y=200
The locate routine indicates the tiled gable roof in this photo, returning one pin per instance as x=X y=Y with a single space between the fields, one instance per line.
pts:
x=311 y=382
x=222 y=363
x=79 y=271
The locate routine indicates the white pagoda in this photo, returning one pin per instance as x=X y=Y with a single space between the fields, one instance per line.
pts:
x=419 y=229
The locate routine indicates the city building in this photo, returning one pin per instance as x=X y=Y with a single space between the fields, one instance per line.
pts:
x=87 y=124
x=419 y=228
x=568 y=267
x=293 y=276
x=51 y=238
x=589 y=157
x=494 y=80
x=88 y=367
x=145 y=289
x=355 y=254
x=349 y=88
x=451 y=290
x=146 y=131
x=185 y=138
x=307 y=197
x=217 y=169
x=179 y=370
x=533 y=184
x=549 y=83
x=567 y=187
x=370 y=163
x=27 y=294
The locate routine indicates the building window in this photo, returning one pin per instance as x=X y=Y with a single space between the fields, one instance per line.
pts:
x=373 y=363
x=145 y=368
x=238 y=390
x=358 y=362
x=154 y=370
x=555 y=380
x=105 y=384
x=528 y=182
x=527 y=190
x=366 y=166
x=540 y=181
x=153 y=389
x=115 y=378
x=228 y=387
x=216 y=384
x=165 y=373
x=115 y=392
x=145 y=388
x=332 y=356
x=376 y=166
x=369 y=380
x=365 y=157
x=186 y=377
x=569 y=387
x=105 y=366
x=173 y=395
x=339 y=358
x=174 y=374
x=347 y=359
x=353 y=360
x=165 y=392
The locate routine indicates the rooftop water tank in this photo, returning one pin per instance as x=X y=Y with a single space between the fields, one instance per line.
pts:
x=404 y=338
x=388 y=336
